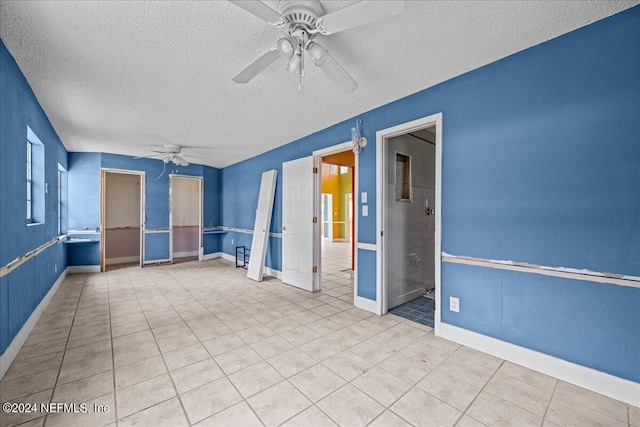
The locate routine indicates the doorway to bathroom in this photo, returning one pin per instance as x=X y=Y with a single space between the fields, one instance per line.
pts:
x=410 y=221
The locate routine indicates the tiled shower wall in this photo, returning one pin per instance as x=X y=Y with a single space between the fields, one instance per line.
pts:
x=410 y=231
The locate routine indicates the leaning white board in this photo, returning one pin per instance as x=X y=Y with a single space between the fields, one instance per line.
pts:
x=261 y=228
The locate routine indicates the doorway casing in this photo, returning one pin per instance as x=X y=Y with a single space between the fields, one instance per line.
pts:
x=382 y=137
x=172 y=196
x=317 y=194
x=103 y=201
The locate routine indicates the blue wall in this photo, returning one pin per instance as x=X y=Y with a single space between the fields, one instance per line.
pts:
x=24 y=287
x=84 y=200
x=541 y=164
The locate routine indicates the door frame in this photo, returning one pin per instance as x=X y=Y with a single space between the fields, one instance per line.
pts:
x=382 y=137
x=103 y=197
x=200 y=247
x=317 y=194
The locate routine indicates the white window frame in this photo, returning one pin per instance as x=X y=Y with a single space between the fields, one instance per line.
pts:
x=29 y=182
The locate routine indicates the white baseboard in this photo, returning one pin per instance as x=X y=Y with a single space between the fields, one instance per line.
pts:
x=366 y=304
x=228 y=257
x=122 y=260
x=213 y=255
x=18 y=341
x=156 y=261
x=600 y=382
x=185 y=254
x=83 y=269
x=273 y=273
x=267 y=270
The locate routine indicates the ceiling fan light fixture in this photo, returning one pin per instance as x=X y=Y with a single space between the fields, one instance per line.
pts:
x=317 y=53
x=177 y=160
x=295 y=63
x=287 y=46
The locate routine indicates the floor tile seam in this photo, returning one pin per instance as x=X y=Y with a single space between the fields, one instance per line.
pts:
x=589 y=407
x=214 y=361
x=55 y=384
x=546 y=411
x=244 y=399
x=113 y=357
x=495 y=371
x=548 y=403
x=483 y=389
x=168 y=372
x=324 y=397
x=33 y=372
x=411 y=386
x=533 y=385
x=175 y=388
x=117 y=421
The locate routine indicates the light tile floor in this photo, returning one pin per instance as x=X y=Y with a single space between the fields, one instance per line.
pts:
x=200 y=344
x=337 y=277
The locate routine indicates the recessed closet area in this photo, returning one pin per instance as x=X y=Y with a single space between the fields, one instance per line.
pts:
x=186 y=216
x=122 y=218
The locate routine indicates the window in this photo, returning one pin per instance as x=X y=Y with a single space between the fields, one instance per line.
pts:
x=29 y=183
x=36 y=186
x=333 y=169
x=403 y=177
x=344 y=170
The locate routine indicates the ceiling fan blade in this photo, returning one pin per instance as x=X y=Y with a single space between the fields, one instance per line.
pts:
x=360 y=13
x=152 y=156
x=328 y=64
x=178 y=160
x=195 y=156
x=257 y=66
x=260 y=10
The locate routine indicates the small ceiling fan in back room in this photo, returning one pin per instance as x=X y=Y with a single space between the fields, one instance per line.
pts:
x=170 y=153
x=301 y=21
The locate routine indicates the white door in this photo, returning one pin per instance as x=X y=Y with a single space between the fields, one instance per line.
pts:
x=297 y=223
x=261 y=227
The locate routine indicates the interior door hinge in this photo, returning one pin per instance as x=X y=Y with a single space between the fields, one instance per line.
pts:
x=315 y=269
x=315 y=219
x=381 y=233
x=315 y=170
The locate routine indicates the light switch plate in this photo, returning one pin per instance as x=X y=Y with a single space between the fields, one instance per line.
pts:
x=363 y=197
x=365 y=210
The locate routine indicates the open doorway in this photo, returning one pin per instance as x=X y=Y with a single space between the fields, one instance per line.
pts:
x=337 y=179
x=121 y=219
x=410 y=225
x=186 y=218
x=410 y=221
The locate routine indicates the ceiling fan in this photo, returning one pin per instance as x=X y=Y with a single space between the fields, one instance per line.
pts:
x=170 y=153
x=303 y=20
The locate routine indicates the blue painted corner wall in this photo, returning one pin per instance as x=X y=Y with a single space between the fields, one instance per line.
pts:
x=23 y=287
x=84 y=200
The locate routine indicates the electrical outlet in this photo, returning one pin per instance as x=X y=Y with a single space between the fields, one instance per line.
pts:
x=55 y=268
x=232 y=241
x=454 y=304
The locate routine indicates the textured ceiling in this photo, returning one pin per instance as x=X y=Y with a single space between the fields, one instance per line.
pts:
x=129 y=76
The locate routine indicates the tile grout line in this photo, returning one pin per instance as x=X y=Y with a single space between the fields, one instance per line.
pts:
x=113 y=357
x=479 y=393
x=546 y=411
x=214 y=361
x=66 y=345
